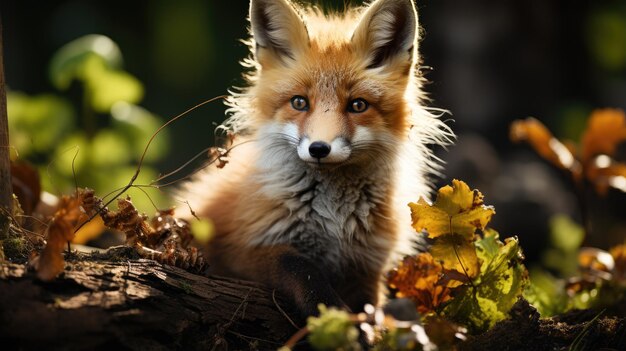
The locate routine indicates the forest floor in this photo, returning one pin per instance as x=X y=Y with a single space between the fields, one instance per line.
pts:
x=130 y=303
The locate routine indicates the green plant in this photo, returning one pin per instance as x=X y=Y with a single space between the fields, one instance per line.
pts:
x=99 y=146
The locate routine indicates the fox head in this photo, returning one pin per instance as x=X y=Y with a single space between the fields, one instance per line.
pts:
x=331 y=89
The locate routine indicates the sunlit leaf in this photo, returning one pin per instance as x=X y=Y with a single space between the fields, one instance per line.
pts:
x=72 y=154
x=456 y=253
x=619 y=257
x=594 y=259
x=421 y=279
x=145 y=198
x=457 y=210
x=60 y=231
x=110 y=148
x=68 y=62
x=546 y=293
x=489 y=299
x=606 y=129
x=37 y=123
x=544 y=143
x=566 y=236
x=105 y=86
x=138 y=125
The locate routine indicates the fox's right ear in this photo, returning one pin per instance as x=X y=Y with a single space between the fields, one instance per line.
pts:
x=278 y=30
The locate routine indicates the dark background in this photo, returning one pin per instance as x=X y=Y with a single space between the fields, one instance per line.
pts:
x=492 y=62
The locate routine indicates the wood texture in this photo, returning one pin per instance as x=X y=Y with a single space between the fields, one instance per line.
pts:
x=138 y=305
x=5 y=164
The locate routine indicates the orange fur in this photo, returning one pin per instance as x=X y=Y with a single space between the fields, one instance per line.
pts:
x=284 y=216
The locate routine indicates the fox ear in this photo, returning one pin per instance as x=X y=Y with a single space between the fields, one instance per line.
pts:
x=386 y=32
x=278 y=30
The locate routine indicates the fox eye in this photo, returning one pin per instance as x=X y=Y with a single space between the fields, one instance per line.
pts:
x=358 y=105
x=299 y=103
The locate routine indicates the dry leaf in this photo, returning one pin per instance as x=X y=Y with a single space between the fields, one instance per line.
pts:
x=69 y=215
x=618 y=253
x=26 y=185
x=544 y=143
x=606 y=128
x=420 y=278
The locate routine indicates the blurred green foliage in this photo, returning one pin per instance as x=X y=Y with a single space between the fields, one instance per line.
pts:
x=332 y=330
x=561 y=255
x=606 y=37
x=99 y=146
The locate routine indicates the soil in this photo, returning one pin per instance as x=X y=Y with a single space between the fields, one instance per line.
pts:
x=575 y=330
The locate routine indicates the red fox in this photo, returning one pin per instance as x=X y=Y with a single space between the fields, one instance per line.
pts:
x=332 y=144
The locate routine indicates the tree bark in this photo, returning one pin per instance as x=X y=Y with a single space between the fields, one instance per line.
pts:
x=5 y=163
x=136 y=305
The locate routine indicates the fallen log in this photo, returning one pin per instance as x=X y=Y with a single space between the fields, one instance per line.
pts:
x=138 y=304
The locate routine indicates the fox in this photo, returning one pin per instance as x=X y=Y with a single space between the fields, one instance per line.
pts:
x=332 y=141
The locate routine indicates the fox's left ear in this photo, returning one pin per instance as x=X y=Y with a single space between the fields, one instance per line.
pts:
x=387 y=32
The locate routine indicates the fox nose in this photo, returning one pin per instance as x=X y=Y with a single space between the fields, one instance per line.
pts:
x=319 y=149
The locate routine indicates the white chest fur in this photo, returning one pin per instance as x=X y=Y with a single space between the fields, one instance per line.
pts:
x=331 y=214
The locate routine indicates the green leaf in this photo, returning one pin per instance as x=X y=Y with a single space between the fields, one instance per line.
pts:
x=497 y=288
x=73 y=152
x=110 y=148
x=138 y=125
x=566 y=236
x=105 y=87
x=37 y=123
x=68 y=62
x=546 y=293
x=332 y=330
x=606 y=38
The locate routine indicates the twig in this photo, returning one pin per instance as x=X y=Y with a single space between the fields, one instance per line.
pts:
x=293 y=340
x=283 y=312
x=143 y=155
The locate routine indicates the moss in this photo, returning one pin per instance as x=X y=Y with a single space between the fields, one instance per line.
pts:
x=16 y=248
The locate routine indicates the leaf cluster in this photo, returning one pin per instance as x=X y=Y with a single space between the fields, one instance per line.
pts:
x=592 y=159
x=165 y=238
x=468 y=275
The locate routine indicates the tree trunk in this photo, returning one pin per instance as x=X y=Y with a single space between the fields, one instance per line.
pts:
x=5 y=163
x=135 y=305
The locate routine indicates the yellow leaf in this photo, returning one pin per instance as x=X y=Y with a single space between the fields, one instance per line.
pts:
x=456 y=253
x=457 y=210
